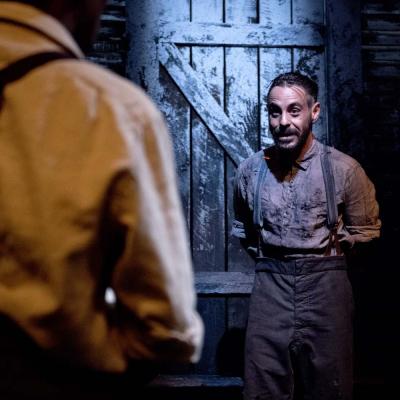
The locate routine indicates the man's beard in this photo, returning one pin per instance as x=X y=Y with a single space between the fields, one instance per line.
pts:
x=296 y=148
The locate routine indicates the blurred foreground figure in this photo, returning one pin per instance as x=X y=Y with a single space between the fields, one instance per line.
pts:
x=300 y=207
x=88 y=202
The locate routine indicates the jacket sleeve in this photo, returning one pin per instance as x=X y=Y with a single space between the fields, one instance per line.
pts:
x=155 y=316
x=361 y=214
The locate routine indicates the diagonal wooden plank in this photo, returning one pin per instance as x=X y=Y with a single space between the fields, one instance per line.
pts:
x=230 y=137
x=223 y=34
x=224 y=283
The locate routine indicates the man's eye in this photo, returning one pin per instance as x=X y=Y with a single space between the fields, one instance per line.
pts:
x=273 y=112
x=295 y=111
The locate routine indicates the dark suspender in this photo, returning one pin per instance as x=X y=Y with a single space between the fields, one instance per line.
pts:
x=329 y=182
x=330 y=190
x=21 y=67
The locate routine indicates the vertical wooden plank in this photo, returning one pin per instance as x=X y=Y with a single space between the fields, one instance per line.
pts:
x=173 y=11
x=308 y=12
x=231 y=348
x=275 y=12
x=208 y=172
x=273 y=61
x=312 y=63
x=241 y=11
x=242 y=106
x=208 y=230
x=208 y=158
x=241 y=100
x=142 y=30
x=174 y=106
x=207 y=10
x=212 y=311
x=177 y=114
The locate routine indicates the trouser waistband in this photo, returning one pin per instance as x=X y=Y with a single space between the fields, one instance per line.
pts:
x=301 y=266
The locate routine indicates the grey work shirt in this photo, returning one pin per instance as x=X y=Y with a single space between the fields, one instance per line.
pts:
x=294 y=208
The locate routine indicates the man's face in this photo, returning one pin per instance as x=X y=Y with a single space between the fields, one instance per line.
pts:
x=291 y=115
x=87 y=21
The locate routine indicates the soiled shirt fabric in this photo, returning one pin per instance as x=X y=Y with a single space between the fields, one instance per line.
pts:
x=294 y=207
x=88 y=201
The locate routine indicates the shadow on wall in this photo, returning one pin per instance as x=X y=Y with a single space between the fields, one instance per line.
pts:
x=230 y=353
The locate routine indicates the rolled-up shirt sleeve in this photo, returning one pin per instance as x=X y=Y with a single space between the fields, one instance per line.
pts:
x=241 y=212
x=155 y=312
x=242 y=225
x=361 y=214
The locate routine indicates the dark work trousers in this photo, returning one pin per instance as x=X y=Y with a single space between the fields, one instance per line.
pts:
x=29 y=373
x=300 y=336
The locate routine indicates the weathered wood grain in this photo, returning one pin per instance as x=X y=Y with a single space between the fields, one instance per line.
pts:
x=229 y=136
x=241 y=11
x=213 y=34
x=208 y=171
x=224 y=283
x=142 y=28
x=274 y=12
x=312 y=63
x=272 y=63
x=307 y=12
x=174 y=11
x=208 y=157
x=177 y=113
x=196 y=380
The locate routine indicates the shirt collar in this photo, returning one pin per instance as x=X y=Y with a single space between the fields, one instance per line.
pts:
x=308 y=156
x=40 y=21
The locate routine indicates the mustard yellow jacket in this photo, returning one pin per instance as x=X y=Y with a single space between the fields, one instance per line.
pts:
x=88 y=200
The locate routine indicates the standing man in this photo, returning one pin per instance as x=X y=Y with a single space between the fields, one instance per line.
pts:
x=299 y=206
x=88 y=202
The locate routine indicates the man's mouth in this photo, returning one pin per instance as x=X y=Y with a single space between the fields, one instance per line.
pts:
x=285 y=134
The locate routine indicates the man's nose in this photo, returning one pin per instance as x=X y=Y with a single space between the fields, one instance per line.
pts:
x=285 y=119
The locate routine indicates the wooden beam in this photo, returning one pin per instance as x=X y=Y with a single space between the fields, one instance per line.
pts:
x=221 y=283
x=218 y=34
x=193 y=380
x=229 y=136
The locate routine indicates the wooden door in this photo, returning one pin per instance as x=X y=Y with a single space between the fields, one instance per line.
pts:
x=208 y=64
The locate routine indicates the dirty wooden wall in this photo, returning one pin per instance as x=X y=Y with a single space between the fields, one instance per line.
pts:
x=110 y=48
x=376 y=286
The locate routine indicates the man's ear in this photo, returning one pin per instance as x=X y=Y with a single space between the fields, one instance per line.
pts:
x=315 y=110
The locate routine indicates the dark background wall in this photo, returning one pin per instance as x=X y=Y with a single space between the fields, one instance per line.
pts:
x=377 y=278
x=378 y=293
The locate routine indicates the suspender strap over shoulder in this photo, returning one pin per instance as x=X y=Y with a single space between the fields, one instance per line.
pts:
x=257 y=216
x=21 y=67
x=330 y=190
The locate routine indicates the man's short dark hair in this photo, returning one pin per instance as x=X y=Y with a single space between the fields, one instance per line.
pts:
x=296 y=79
